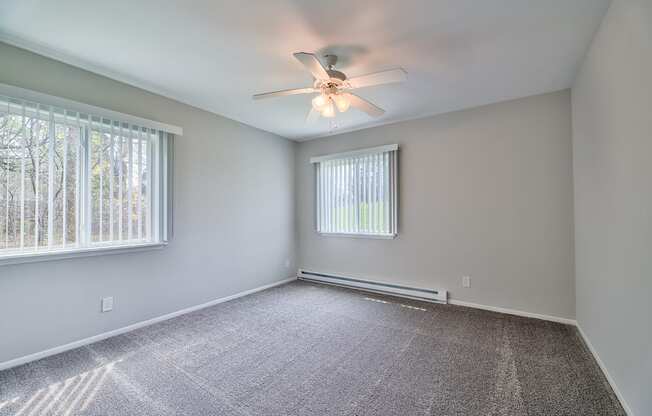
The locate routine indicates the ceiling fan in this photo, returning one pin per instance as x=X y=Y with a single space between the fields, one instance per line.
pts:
x=333 y=87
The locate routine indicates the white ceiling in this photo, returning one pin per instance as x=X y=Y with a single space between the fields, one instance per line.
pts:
x=216 y=54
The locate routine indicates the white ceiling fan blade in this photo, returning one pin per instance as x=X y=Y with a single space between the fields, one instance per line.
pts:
x=313 y=116
x=313 y=65
x=378 y=78
x=364 y=105
x=283 y=93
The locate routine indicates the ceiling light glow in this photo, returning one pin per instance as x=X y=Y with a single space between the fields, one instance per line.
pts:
x=342 y=103
x=319 y=102
x=328 y=110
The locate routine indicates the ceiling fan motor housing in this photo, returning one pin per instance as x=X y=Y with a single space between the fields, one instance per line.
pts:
x=336 y=74
x=331 y=61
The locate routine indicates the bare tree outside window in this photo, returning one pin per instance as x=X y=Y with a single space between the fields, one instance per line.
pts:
x=41 y=161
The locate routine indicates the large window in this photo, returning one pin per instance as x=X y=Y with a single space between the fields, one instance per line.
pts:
x=357 y=192
x=73 y=181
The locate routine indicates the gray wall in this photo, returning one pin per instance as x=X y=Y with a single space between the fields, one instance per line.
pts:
x=234 y=222
x=612 y=145
x=486 y=192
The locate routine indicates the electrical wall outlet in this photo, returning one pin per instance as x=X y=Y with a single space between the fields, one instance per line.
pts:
x=466 y=281
x=107 y=304
x=287 y=263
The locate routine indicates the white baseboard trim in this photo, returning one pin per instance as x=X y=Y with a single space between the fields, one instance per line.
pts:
x=516 y=312
x=610 y=379
x=95 y=338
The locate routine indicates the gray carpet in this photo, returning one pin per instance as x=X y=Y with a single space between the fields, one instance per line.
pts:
x=306 y=349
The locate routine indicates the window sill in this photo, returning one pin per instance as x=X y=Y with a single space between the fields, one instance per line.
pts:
x=76 y=252
x=360 y=235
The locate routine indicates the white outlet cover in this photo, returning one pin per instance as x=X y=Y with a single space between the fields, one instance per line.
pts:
x=107 y=304
x=466 y=281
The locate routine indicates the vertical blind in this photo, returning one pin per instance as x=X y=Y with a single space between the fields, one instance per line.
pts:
x=72 y=180
x=356 y=192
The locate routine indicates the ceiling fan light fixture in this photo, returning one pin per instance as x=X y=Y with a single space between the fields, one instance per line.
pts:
x=342 y=103
x=328 y=110
x=319 y=102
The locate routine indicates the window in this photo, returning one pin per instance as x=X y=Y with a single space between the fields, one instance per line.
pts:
x=357 y=192
x=78 y=181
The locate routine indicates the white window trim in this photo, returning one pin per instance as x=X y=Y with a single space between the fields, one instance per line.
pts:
x=31 y=257
x=159 y=200
x=359 y=235
x=393 y=191
x=367 y=151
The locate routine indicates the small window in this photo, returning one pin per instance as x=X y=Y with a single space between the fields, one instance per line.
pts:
x=357 y=193
x=73 y=181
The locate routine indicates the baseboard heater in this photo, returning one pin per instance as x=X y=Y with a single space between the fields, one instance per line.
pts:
x=430 y=295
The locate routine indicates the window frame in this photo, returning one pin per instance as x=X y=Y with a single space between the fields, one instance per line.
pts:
x=159 y=182
x=392 y=149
